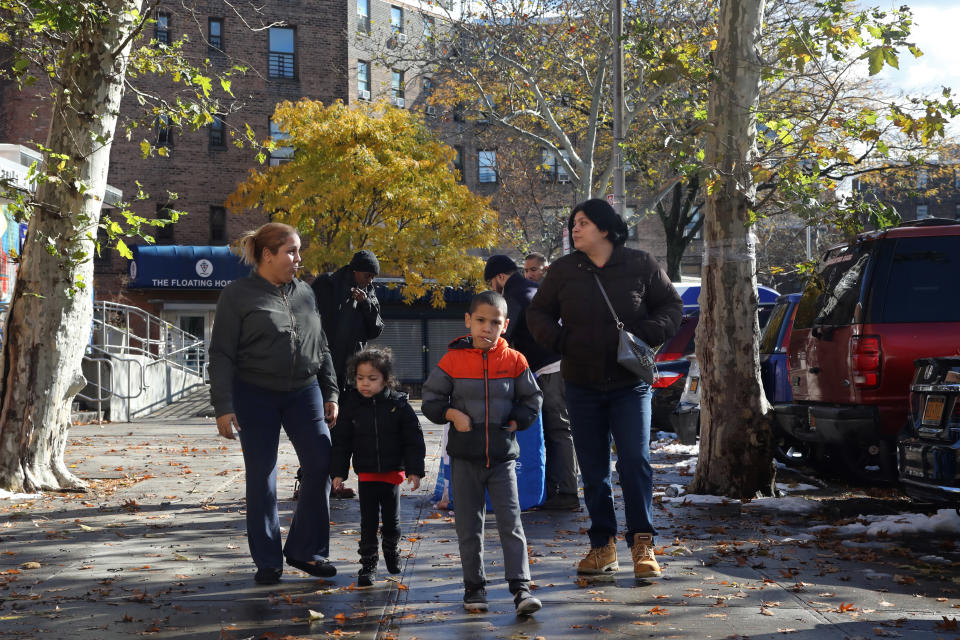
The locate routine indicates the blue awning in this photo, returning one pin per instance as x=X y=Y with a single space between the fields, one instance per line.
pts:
x=184 y=267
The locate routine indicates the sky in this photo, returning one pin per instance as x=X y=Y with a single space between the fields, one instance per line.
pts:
x=935 y=33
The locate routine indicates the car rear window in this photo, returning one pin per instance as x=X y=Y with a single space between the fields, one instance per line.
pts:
x=918 y=282
x=833 y=291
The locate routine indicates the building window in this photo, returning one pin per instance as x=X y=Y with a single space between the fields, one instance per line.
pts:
x=218 y=132
x=458 y=162
x=552 y=168
x=396 y=87
x=921 y=178
x=215 y=33
x=280 y=62
x=923 y=211
x=363 y=16
x=164 y=234
x=164 y=132
x=363 y=79
x=486 y=166
x=428 y=25
x=162 y=31
x=396 y=20
x=218 y=225
x=280 y=154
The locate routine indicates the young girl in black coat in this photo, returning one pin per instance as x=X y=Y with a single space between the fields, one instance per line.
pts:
x=380 y=430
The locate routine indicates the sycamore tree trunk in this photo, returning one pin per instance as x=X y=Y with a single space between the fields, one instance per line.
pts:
x=50 y=317
x=735 y=439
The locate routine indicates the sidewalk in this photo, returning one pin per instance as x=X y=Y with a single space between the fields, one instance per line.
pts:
x=156 y=548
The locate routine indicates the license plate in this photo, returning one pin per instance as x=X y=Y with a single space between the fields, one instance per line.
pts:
x=933 y=410
x=694 y=383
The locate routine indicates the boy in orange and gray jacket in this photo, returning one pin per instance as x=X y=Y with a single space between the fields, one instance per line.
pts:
x=487 y=391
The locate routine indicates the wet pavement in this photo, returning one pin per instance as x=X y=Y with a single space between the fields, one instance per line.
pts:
x=156 y=548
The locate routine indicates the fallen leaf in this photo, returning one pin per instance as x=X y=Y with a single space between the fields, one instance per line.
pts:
x=948 y=624
x=314 y=615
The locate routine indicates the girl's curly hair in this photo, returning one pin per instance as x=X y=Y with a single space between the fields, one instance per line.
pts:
x=380 y=358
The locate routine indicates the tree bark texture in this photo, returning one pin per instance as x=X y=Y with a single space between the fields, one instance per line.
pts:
x=735 y=438
x=50 y=318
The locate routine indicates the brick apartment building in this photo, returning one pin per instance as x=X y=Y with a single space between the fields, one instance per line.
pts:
x=929 y=191
x=316 y=50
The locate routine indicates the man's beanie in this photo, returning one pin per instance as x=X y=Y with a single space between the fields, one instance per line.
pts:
x=365 y=261
x=498 y=264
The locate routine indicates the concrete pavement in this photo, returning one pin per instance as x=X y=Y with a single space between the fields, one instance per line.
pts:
x=156 y=548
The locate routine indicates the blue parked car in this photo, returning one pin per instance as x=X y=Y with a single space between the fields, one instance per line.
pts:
x=773 y=349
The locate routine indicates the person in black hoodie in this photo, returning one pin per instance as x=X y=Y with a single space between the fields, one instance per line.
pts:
x=380 y=430
x=503 y=276
x=348 y=306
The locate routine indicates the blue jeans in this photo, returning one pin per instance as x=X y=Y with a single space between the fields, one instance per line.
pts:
x=260 y=414
x=624 y=414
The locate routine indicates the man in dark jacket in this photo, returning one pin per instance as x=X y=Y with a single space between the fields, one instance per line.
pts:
x=349 y=309
x=350 y=314
x=503 y=276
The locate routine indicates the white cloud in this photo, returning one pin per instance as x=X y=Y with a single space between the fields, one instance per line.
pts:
x=935 y=33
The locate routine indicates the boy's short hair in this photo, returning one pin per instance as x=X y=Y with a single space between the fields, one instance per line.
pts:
x=491 y=298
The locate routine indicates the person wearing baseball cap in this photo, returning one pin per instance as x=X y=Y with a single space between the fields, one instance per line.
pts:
x=503 y=276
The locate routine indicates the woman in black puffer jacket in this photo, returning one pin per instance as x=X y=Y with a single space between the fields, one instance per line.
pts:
x=570 y=316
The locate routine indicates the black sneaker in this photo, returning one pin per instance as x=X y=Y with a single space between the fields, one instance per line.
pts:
x=268 y=575
x=475 y=599
x=322 y=569
x=525 y=603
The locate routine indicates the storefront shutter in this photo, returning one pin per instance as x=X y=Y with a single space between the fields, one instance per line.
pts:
x=440 y=333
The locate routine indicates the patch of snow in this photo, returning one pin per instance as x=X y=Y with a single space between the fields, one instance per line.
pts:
x=695 y=499
x=787 y=488
x=8 y=495
x=790 y=504
x=681 y=449
x=803 y=537
x=934 y=560
x=944 y=521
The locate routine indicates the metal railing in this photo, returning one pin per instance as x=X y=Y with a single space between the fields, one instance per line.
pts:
x=120 y=332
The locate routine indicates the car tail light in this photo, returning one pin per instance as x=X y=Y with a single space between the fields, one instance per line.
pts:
x=668 y=356
x=666 y=379
x=866 y=359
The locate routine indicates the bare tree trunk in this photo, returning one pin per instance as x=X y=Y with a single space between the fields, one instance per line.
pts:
x=735 y=439
x=50 y=318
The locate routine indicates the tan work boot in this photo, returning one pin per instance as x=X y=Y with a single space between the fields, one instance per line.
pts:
x=600 y=560
x=645 y=565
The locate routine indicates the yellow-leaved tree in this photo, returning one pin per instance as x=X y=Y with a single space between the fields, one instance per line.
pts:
x=373 y=177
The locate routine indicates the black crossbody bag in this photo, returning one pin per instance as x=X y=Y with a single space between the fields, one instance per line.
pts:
x=633 y=354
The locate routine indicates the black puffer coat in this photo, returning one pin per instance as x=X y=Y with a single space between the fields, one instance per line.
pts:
x=381 y=433
x=641 y=293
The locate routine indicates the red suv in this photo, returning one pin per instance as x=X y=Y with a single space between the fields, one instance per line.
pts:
x=872 y=307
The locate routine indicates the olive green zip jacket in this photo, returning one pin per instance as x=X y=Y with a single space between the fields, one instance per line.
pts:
x=270 y=337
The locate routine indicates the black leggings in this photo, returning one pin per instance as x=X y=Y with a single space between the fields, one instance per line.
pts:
x=378 y=500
